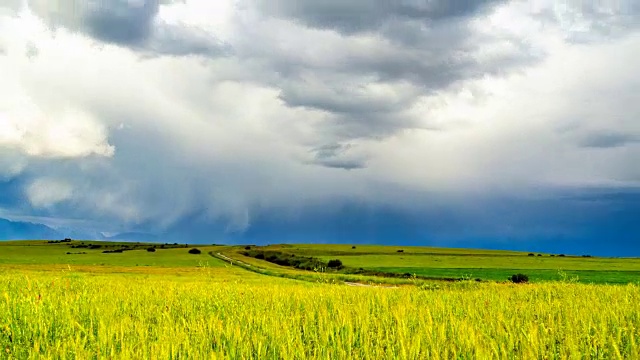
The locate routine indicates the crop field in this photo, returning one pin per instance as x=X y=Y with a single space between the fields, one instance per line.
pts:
x=170 y=304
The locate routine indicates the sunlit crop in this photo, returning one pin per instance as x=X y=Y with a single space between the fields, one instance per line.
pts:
x=83 y=316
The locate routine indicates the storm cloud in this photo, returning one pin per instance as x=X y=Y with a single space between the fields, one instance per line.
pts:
x=444 y=121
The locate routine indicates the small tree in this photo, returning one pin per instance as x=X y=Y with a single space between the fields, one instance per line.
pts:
x=151 y=249
x=532 y=254
x=400 y=251
x=195 y=251
x=334 y=263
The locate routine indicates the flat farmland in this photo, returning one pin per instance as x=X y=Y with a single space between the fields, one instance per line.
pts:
x=471 y=263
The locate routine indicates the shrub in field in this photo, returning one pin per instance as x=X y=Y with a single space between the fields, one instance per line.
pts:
x=561 y=255
x=400 y=251
x=532 y=254
x=336 y=264
x=519 y=278
x=353 y=247
x=285 y=259
x=247 y=247
x=151 y=249
x=113 y=251
x=195 y=251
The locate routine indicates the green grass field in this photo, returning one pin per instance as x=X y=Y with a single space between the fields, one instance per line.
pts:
x=42 y=253
x=170 y=304
x=465 y=263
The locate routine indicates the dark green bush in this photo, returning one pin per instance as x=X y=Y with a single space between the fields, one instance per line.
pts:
x=113 y=251
x=519 y=278
x=335 y=263
x=532 y=254
x=195 y=251
x=285 y=259
x=151 y=249
x=400 y=251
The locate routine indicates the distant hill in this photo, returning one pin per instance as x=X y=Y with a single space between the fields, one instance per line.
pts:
x=22 y=230
x=18 y=230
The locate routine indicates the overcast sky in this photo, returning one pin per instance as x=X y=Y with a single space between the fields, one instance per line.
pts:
x=479 y=123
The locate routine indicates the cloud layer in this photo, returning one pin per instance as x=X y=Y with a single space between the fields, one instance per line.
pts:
x=157 y=116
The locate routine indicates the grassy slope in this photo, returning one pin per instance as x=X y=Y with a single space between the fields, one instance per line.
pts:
x=484 y=264
x=41 y=253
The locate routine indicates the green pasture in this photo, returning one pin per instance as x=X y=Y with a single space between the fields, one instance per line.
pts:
x=42 y=253
x=491 y=265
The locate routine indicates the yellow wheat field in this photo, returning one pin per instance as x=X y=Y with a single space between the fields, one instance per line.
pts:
x=209 y=316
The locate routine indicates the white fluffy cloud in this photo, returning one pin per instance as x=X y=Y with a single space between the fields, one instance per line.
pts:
x=53 y=128
x=260 y=109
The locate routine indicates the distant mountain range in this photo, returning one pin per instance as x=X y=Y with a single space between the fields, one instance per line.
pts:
x=21 y=230
x=18 y=230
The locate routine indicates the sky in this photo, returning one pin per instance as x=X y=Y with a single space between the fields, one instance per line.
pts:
x=490 y=123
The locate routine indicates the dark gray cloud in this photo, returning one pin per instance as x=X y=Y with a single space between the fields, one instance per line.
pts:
x=388 y=57
x=337 y=156
x=121 y=21
x=130 y=23
x=608 y=139
x=367 y=15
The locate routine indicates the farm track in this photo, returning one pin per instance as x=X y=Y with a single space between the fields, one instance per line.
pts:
x=355 y=284
x=300 y=277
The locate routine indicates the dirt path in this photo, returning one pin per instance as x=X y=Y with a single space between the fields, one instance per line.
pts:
x=230 y=260
x=368 y=285
x=258 y=270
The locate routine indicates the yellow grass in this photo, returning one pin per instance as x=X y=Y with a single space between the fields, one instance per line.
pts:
x=227 y=313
